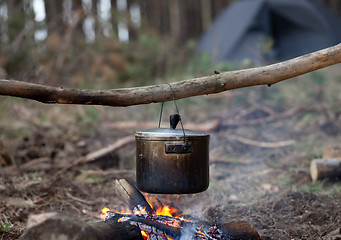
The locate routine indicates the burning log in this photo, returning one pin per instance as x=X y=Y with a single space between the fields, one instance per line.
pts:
x=132 y=196
x=169 y=221
x=53 y=226
x=168 y=227
x=152 y=225
x=146 y=223
x=158 y=225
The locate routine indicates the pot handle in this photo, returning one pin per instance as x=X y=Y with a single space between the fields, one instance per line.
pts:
x=178 y=147
x=175 y=118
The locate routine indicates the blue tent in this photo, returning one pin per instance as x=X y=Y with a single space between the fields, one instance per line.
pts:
x=270 y=30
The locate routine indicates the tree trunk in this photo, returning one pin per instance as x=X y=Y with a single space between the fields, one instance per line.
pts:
x=78 y=9
x=16 y=18
x=191 y=26
x=54 y=16
x=175 y=19
x=218 y=6
x=206 y=14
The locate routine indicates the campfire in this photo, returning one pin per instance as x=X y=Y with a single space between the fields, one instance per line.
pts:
x=163 y=221
x=144 y=218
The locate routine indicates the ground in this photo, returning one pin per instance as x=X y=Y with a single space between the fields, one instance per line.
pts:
x=260 y=150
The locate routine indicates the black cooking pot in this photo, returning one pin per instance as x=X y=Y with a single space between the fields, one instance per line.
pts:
x=172 y=161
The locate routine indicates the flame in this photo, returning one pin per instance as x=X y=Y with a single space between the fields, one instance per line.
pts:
x=144 y=235
x=162 y=211
x=104 y=212
x=166 y=211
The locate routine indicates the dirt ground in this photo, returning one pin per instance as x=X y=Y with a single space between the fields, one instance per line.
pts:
x=260 y=153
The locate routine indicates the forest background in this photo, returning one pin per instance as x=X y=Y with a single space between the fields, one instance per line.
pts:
x=104 y=44
x=115 y=43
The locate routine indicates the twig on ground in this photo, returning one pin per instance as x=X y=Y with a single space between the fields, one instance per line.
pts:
x=106 y=150
x=314 y=230
x=32 y=164
x=261 y=144
x=79 y=199
x=98 y=153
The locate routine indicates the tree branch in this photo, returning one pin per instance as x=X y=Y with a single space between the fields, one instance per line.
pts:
x=216 y=83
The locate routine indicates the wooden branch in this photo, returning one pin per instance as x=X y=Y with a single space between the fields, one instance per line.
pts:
x=188 y=88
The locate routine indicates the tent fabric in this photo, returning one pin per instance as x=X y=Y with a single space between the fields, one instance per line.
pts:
x=270 y=30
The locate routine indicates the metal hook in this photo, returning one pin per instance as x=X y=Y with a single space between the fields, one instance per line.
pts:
x=177 y=110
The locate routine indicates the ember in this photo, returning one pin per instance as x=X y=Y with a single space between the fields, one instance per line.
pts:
x=163 y=223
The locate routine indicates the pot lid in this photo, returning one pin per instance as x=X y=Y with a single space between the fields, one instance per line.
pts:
x=168 y=132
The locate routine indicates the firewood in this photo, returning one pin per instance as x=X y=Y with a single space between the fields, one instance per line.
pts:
x=155 y=226
x=159 y=225
x=67 y=228
x=58 y=227
x=172 y=227
x=132 y=196
x=163 y=225
x=149 y=225
x=325 y=168
x=167 y=220
x=241 y=230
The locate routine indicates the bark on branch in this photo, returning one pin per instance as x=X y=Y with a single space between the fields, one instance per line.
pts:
x=216 y=83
